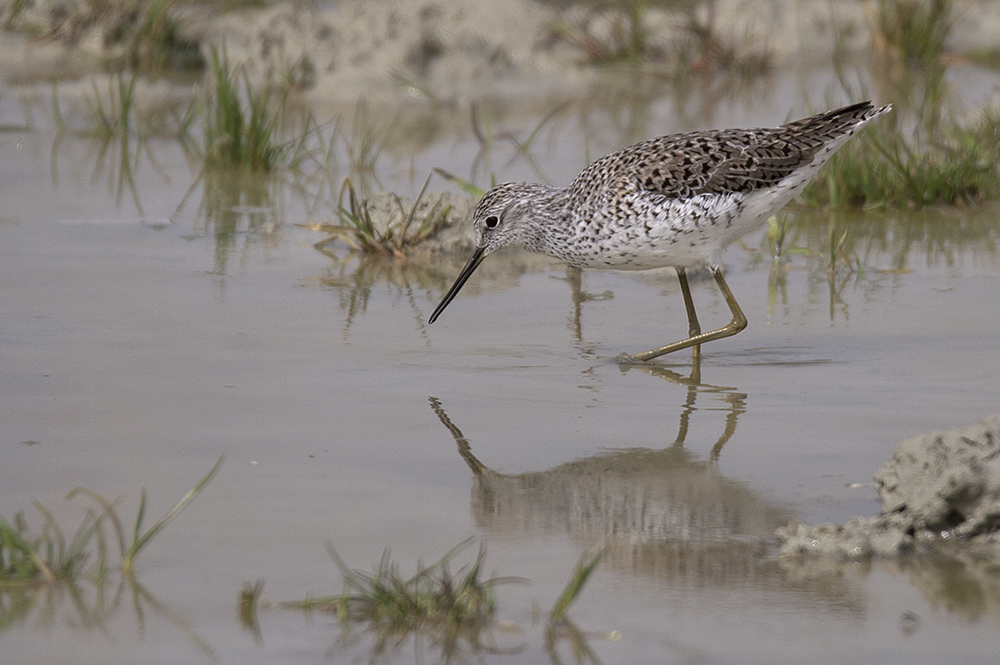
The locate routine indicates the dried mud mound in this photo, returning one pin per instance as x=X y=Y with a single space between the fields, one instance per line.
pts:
x=939 y=492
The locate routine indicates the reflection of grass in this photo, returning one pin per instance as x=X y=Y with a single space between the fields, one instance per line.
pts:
x=362 y=279
x=836 y=256
x=112 y=114
x=235 y=204
x=842 y=247
x=884 y=241
x=87 y=605
x=249 y=602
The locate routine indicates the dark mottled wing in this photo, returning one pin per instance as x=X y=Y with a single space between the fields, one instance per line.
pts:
x=736 y=160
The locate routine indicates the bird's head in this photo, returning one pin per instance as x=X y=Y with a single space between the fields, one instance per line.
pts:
x=503 y=218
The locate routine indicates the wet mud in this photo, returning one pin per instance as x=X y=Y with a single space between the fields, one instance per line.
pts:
x=940 y=494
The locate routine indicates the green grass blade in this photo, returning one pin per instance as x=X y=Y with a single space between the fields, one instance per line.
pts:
x=248 y=609
x=464 y=184
x=55 y=549
x=109 y=511
x=18 y=556
x=584 y=567
x=137 y=528
x=140 y=541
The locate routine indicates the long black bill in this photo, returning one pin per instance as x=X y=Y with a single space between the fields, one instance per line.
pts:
x=463 y=277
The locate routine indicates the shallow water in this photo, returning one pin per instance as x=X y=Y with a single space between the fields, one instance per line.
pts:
x=150 y=328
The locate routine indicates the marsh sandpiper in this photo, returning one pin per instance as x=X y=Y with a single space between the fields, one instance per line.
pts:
x=674 y=201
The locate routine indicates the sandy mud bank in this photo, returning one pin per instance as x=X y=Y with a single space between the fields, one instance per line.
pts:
x=940 y=494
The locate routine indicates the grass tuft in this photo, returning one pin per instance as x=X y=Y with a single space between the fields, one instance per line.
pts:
x=706 y=50
x=617 y=31
x=389 y=237
x=468 y=187
x=609 y=32
x=578 y=579
x=448 y=610
x=366 y=141
x=913 y=31
x=142 y=538
x=46 y=557
x=956 y=164
x=51 y=557
x=921 y=154
x=153 y=43
x=240 y=123
x=432 y=598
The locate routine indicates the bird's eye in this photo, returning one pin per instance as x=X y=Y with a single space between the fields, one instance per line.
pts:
x=492 y=221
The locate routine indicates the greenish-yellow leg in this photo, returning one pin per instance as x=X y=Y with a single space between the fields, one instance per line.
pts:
x=696 y=337
x=694 y=328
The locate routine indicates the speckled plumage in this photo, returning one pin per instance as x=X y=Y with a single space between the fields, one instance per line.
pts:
x=670 y=201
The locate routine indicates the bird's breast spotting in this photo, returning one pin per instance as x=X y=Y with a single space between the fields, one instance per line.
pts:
x=644 y=230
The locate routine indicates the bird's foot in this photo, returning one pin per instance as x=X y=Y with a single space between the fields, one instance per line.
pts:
x=627 y=360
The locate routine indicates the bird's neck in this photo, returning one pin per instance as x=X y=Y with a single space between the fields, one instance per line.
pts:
x=549 y=207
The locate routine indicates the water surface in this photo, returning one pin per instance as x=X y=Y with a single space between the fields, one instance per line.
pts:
x=149 y=328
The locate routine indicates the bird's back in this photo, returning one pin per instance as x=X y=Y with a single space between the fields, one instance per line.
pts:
x=679 y=200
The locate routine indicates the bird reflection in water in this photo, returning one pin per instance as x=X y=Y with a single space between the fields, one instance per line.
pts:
x=667 y=512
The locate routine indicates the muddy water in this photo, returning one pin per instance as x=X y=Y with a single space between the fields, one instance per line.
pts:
x=151 y=325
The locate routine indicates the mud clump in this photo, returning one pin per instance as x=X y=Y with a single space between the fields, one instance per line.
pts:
x=453 y=212
x=940 y=492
